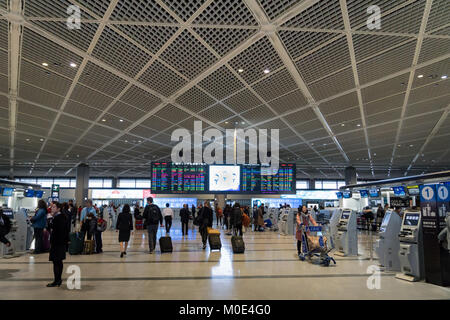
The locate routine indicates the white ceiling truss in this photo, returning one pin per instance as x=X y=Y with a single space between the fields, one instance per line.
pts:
x=340 y=94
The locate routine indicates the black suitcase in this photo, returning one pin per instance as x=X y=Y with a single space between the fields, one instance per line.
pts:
x=76 y=245
x=165 y=244
x=214 y=241
x=238 y=244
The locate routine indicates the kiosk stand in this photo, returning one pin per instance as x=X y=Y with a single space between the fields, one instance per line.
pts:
x=347 y=238
x=388 y=246
x=411 y=247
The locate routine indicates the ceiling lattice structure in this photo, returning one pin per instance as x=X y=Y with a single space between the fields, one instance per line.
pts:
x=340 y=93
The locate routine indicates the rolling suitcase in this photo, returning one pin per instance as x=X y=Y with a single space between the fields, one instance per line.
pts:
x=165 y=244
x=238 y=244
x=214 y=241
x=76 y=245
x=89 y=247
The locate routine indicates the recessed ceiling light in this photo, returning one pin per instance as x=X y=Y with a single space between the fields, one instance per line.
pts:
x=121 y=120
x=241 y=70
x=126 y=140
x=444 y=76
x=104 y=120
x=41 y=139
x=411 y=145
x=266 y=71
x=139 y=141
x=236 y=123
x=358 y=125
x=342 y=124
x=45 y=64
x=420 y=76
x=27 y=139
x=243 y=122
x=73 y=65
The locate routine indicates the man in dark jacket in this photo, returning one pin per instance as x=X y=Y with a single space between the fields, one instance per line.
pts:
x=184 y=214
x=205 y=216
x=236 y=219
x=5 y=228
x=152 y=215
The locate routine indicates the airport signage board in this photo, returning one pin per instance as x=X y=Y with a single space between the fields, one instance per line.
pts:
x=107 y=194
x=436 y=258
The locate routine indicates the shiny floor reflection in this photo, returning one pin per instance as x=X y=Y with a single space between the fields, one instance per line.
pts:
x=269 y=269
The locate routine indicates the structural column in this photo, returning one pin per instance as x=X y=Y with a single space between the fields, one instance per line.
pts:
x=220 y=200
x=81 y=192
x=350 y=175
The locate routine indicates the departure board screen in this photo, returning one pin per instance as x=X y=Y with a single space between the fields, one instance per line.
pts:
x=160 y=177
x=282 y=182
x=173 y=178
x=251 y=179
x=178 y=178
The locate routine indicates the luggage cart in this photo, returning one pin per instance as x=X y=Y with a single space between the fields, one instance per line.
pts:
x=315 y=245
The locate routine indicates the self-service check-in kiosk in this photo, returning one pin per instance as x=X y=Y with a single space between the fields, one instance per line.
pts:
x=411 y=247
x=347 y=237
x=388 y=245
x=17 y=235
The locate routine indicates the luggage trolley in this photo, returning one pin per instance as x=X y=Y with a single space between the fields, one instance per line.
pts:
x=316 y=245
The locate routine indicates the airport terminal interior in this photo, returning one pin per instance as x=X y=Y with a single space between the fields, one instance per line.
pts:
x=237 y=149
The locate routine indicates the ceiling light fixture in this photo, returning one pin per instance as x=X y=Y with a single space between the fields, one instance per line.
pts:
x=358 y=125
x=241 y=70
x=266 y=71
x=342 y=125
x=45 y=64
x=444 y=77
x=104 y=120
x=243 y=122
x=121 y=120
x=41 y=139
x=73 y=65
x=420 y=76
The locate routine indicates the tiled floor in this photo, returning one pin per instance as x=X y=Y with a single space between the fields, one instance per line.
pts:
x=269 y=269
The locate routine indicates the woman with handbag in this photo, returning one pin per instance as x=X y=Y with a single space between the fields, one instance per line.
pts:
x=124 y=226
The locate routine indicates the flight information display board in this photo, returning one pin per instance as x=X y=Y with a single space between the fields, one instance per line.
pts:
x=172 y=178
x=280 y=183
x=178 y=178
x=251 y=178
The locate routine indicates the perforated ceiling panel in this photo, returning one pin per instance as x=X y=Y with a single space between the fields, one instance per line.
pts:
x=158 y=65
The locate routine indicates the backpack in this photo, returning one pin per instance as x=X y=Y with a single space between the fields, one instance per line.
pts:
x=153 y=215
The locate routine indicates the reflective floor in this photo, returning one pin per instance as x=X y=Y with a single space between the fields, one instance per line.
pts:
x=269 y=269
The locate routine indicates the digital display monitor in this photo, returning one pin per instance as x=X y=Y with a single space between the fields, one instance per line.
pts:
x=413 y=191
x=399 y=191
x=7 y=192
x=411 y=219
x=385 y=221
x=339 y=195
x=8 y=212
x=281 y=183
x=345 y=215
x=160 y=173
x=347 y=194
x=364 y=193
x=38 y=193
x=29 y=193
x=374 y=193
x=251 y=178
x=224 y=178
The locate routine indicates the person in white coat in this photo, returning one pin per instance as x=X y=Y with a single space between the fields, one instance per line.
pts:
x=111 y=215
